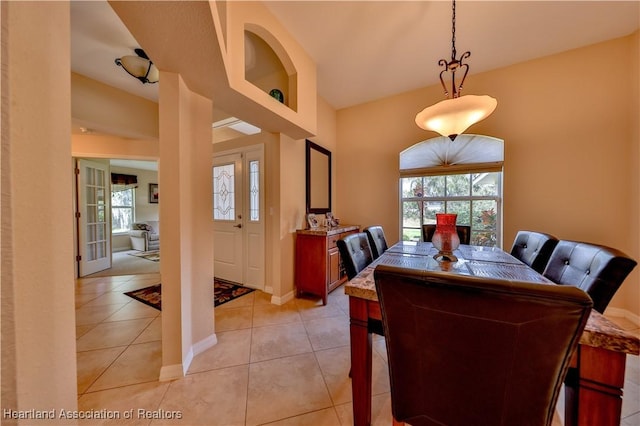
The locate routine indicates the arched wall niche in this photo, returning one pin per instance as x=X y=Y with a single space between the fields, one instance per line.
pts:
x=268 y=66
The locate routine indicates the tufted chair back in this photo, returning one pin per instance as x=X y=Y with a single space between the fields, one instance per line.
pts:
x=533 y=248
x=377 y=241
x=355 y=252
x=464 y=233
x=500 y=348
x=598 y=270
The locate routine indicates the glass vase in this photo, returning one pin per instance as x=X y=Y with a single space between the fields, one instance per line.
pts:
x=445 y=238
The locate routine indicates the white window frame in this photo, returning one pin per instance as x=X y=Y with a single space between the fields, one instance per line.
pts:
x=133 y=211
x=471 y=198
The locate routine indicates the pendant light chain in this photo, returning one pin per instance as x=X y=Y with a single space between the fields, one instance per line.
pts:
x=453 y=32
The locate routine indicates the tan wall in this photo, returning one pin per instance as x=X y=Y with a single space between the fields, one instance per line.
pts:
x=38 y=310
x=569 y=140
x=108 y=146
x=109 y=110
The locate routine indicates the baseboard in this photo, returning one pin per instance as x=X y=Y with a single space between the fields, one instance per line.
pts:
x=623 y=313
x=282 y=300
x=171 y=372
x=177 y=371
x=204 y=344
x=268 y=289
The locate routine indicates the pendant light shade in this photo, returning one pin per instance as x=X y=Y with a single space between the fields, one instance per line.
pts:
x=139 y=67
x=457 y=113
x=452 y=117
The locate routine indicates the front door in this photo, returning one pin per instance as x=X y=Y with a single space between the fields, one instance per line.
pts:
x=94 y=224
x=238 y=217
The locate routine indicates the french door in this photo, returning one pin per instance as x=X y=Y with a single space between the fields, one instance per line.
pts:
x=94 y=211
x=238 y=217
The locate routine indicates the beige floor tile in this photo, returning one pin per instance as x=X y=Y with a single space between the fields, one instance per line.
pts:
x=234 y=318
x=326 y=417
x=111 y=334
x=335 y=365
x=95 y=314
x=262 y=298
x=211 y=398
x=137 y=284
x=83 y=299
x=241 y=302
x=285 y=387
x=134 y=310
x=274 y=314
x=96 y=286
x=137 y=364
x=379 y=375
x=110 y=298
x=314 y=309
x=380 y=346
x=152 y=333
x=380 y=411
x=278 y=341
x=146 y=396
x=91 y=364
x=81 y=330
x=328 y=333
x=232 y=349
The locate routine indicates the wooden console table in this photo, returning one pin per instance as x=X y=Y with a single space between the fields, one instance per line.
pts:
x=319 y=267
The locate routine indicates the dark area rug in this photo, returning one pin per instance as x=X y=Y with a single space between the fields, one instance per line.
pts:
x=223 y=292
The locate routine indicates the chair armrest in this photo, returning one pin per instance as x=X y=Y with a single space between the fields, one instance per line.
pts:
x=138 y=233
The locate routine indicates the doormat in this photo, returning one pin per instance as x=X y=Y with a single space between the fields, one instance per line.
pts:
x=223 y=292
x=152 y=255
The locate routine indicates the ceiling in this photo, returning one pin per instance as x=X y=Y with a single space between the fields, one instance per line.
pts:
x=366 y=50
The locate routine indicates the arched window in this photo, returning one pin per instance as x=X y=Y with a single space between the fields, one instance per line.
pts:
x=463 y=177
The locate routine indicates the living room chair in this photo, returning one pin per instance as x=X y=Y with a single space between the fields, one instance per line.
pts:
x=596 y=269
x=377 y=241
x=464 y=233
x=533 y=248
x=145 y=236
x=466 y=350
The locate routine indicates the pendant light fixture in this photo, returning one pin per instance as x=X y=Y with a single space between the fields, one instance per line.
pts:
x=455 y=114
x=139 y=67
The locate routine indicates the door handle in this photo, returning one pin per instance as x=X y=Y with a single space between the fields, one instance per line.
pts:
x=238 y=225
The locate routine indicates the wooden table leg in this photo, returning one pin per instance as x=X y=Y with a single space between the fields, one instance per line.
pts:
x=593 y=387
x=361 y=359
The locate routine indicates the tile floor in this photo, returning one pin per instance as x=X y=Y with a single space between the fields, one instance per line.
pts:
x=273 y=365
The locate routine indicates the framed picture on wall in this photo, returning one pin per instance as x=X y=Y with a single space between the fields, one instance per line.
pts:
x=154 y=195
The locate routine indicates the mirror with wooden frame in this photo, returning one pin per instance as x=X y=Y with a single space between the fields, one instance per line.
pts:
x=318 y=162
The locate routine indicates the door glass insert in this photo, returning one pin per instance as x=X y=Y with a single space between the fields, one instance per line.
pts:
x=254 y=190
x=223 y=192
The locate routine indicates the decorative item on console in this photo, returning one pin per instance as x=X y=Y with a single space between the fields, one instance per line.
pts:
x=446 y=238
x=330 y=220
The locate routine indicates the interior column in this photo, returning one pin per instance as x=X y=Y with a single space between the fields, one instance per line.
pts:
x=186 y=225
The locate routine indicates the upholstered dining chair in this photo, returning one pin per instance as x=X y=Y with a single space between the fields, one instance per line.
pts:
x=596 y=269
x=377 y=241
x=533 y=248
x=464 y=233
x=356 y=255
x=467 y=350
x=355 y=252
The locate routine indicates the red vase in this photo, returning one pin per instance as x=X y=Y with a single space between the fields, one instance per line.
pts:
x=445 y=238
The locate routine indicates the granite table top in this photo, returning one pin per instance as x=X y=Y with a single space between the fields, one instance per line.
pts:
x=327 y=230
x=599 y=332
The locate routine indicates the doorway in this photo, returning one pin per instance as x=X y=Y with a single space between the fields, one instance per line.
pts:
x=239 y=216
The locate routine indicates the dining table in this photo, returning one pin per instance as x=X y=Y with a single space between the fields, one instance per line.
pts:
x=594 y=384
